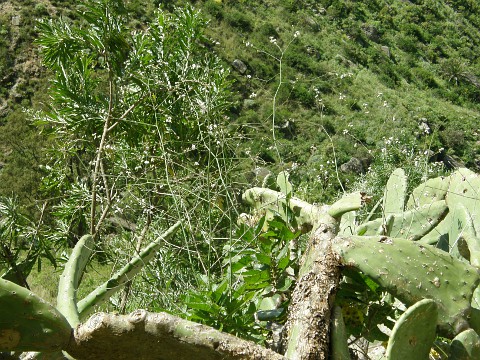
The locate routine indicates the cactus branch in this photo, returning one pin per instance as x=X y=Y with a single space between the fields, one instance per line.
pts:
x=125 y=274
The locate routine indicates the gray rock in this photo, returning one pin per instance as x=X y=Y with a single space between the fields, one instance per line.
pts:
x=353 y=165
x=386 y=50
x=261 y=173
x=452 y=162
x=371 y=32
x=16 y=20
x=240 y=66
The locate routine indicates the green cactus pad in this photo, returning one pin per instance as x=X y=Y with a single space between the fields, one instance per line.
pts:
x=348 y=224
x=347 y=203
x=465 y=189
x=412 y=224
x=339 y=336
x=395 y=193
x=29 y=323
x=428 y=192
x=465 y=346
x=412 y=272
x=414 y=332
x=439 y=236
x=70 y=279
x=462 y=236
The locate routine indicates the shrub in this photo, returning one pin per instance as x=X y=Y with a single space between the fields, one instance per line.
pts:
x=214 y=8
x=239 y=20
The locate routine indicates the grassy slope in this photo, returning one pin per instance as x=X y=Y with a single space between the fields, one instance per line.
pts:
x=340 y=90
x=361 y=71
x=357 y=73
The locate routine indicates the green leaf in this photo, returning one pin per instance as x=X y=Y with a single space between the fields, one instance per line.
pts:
x=284 y=284
x=219 y=291
x=283 y=258
x=270 y=315
x=263 y=259
x=284 y=184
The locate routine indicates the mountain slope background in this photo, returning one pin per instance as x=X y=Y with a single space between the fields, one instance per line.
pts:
x=317 y=85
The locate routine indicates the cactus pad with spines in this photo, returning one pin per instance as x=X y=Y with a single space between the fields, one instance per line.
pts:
x=428 y=192
x=29 y=323
x=412 y=224
x=346 y=204
x=465 y=346
x=395 y=193
x=412 y=272
x=414 y=332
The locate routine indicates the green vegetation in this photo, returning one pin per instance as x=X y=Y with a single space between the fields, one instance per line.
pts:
x=120 y=119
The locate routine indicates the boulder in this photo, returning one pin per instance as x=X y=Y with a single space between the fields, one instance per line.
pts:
x=240 y=66
x=354 y=165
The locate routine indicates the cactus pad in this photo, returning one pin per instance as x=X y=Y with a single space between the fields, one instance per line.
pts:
x=414 y=332
x=465 y=346
x=428 y=192
x=412 y=224
x=412 y=272
x=29 y=323
x=395 y=193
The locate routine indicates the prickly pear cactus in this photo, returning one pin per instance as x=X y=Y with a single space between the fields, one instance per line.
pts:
x=28 y=323
x=426 y=248
x=465 y=346
x=412 y=272
x=412 y=224
x=414 y=332
x=395 y=193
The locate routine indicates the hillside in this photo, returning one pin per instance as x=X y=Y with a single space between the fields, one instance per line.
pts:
x=316 y=84
x=140 y=120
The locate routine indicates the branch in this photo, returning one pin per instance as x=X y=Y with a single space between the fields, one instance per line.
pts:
x=142 y=335
x=308 y=324
x=307 y=328
x=125 y=274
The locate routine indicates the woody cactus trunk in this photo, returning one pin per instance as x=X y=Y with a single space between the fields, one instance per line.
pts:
x=423 y=250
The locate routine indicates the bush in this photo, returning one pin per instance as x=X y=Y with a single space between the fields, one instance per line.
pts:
x=214 y=8
x=239 y=20
x=424 y=78
x=303 y=95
